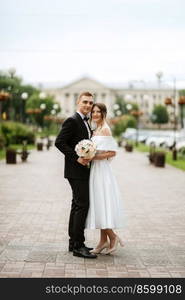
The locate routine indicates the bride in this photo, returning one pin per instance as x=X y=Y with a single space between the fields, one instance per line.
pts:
x=105 y=201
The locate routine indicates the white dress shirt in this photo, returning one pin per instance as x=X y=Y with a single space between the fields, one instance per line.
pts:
x=86 y=123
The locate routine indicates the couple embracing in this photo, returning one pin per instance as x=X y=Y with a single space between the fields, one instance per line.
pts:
x=96 y=200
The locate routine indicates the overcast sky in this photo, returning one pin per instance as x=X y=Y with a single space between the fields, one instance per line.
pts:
x=109 y=40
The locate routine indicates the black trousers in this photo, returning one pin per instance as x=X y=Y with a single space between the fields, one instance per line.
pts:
x=79 y=210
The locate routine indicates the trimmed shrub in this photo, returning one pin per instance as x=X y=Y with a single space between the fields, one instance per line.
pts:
x=2 y=142
x=16 y=133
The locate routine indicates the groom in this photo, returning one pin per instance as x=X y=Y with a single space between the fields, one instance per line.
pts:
x=75 y=129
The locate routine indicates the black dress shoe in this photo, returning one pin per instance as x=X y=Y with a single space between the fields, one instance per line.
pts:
x=71 y=248
x=83 y=252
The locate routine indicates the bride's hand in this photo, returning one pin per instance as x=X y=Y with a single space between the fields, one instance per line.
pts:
x=83 y=161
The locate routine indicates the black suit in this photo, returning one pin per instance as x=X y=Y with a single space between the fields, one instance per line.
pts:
x=73 y=131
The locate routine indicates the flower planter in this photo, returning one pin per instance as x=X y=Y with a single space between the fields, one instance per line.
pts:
x=128 y=148
x=49 y=144
x=24 y=155
x=11 y=156
x=159 y=159
x=39 y=146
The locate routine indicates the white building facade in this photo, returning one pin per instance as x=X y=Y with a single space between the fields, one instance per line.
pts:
x=145 y=98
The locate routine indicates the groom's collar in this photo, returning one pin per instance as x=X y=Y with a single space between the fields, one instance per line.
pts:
x=82 y=115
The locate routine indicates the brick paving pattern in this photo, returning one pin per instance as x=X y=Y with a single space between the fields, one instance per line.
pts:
x=34 y=209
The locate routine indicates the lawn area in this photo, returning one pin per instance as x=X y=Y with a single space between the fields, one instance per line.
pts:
x=179 y=163
x=16 y=147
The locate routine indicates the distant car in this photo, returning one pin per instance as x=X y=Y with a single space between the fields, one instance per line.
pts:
x=129 y=132
x=168 y=142
x=157 y=138
x=143 y=136
x=180 y=143
x=154 y=140
x=131 y=137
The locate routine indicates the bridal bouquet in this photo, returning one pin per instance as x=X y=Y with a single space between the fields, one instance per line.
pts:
x=86 y=149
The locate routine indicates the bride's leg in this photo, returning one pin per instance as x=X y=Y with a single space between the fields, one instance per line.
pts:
x=112 y=237
x=114 y=241
x=103 y=237
x=103 y=243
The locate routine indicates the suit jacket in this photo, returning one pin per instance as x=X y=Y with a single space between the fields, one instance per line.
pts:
x=72 y=132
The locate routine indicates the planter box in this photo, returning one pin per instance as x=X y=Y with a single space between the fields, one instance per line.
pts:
x=159 y=159
x=11 y=156
x=128 y=148
x=39 y=146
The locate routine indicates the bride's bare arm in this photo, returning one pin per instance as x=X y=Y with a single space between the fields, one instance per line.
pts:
x=104 y=155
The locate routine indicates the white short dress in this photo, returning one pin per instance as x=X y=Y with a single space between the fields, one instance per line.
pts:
x=105 y=209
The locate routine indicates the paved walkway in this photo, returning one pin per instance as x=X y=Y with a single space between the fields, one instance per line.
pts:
x=34 y=209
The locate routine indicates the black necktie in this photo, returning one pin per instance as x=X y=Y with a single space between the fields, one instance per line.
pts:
x=86 y=118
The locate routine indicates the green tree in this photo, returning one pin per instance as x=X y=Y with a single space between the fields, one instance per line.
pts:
x=15 y=105
x=36 y=111
x=160 y=115
x=182 y=93
x=123 y=123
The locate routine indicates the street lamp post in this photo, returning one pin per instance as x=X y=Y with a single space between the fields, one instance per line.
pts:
x=168 y=102
x=129 y=107
x=12 y=72
x=137 y=114
x=128 y=97
x=159 y=75
x=116 y=108
x=181 y=104
x=43 y=106
x=3 y=97
x=55 y=106
x=24 y=97
x=42 y=95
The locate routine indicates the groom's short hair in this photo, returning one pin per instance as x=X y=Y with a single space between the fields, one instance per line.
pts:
x=87 y=94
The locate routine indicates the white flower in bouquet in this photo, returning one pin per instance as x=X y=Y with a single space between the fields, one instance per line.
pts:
x=86 y=149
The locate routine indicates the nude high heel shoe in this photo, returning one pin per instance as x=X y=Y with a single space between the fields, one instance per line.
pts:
x=114 y=248
x=100 y=249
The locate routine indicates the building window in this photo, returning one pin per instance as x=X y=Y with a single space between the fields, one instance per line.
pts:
x=103 y=95
x=67 y=95
x=75 y=96
x=154 y=96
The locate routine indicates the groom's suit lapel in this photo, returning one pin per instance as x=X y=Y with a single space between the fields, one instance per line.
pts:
x=82 y=124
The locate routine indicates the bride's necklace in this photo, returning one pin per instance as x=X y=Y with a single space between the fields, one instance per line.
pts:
x=98 y=129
